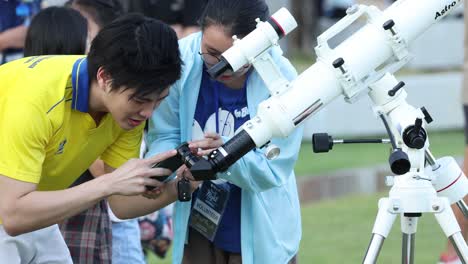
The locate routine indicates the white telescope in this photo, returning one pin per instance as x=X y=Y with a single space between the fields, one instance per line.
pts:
x=377 y=48
x=362 y=64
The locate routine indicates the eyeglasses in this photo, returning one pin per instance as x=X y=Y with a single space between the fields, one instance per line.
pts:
x=209 y=59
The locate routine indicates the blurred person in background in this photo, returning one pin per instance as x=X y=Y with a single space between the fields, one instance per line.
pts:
x=98 y=13
x=56 y=30
x=156 y=233
x=49 y=3
x=307 y=14
x=156 y=227
x=182 y=15
x=336 y=9
x=15 y=16
x=259 y=207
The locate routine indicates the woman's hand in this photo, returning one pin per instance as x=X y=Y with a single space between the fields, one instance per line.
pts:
x=205 y=146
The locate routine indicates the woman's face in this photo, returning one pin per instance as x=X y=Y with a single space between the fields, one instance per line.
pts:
x=215 y=41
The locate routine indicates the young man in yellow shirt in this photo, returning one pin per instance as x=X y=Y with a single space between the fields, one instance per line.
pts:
x=60 y=113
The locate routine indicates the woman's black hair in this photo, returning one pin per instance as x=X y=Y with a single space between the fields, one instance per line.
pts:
x=56 y=30
x=102 y=11
x=236 y=16
x=138 y=53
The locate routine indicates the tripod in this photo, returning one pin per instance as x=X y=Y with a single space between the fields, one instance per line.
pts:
x=409 y=198
x=416 y=189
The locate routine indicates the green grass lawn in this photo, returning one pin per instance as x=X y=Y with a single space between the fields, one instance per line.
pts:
x=339 y=231
x=342 y=156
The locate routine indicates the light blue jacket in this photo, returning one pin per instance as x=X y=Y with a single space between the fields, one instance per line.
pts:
x=270 y=212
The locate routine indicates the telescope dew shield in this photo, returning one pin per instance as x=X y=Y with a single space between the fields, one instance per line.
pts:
x=255 y=43
x=283 y=22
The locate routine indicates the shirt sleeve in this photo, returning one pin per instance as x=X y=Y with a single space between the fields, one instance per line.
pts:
x=126 y=147
x=25 y=131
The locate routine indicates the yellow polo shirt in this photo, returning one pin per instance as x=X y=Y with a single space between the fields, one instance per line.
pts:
x=46 y=135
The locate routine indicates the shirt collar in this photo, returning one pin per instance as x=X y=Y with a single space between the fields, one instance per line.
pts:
x=80 y=84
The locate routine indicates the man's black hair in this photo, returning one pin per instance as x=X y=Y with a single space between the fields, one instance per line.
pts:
x=138 y=53
x=56 y=30
x=236 y=16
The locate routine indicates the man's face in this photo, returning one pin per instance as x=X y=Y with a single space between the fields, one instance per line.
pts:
x=130 y=111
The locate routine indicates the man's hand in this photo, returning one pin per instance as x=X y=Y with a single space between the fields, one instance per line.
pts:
x=204 y=146
x=171 y=186
x=154 y=193
x=133 y=177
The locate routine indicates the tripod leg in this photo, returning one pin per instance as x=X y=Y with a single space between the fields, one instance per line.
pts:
x=383 y=224
x=463 y=208
x=408 y=228
x=458 y=241
x=448 y=222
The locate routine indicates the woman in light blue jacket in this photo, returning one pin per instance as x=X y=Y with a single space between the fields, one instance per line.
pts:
x=251 y=213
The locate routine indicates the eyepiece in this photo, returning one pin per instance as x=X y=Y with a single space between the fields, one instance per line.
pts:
x=219 y=68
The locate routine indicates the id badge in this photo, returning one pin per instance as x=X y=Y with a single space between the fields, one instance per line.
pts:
x=209 y=208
